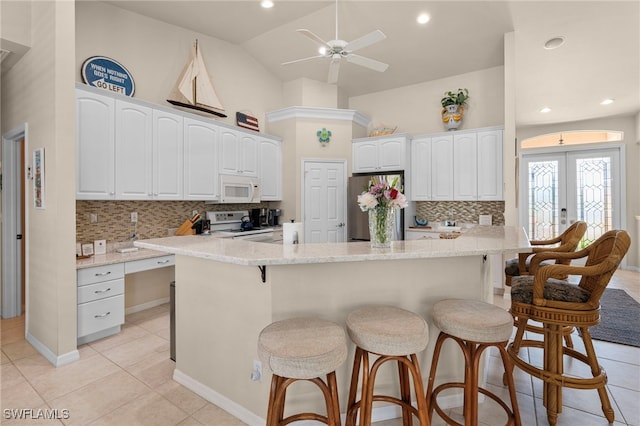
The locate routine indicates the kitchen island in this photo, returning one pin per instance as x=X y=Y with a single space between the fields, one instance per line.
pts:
x=228 y=290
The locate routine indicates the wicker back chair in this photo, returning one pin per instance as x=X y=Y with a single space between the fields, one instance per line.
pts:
x=566 y=242
x=557 y=305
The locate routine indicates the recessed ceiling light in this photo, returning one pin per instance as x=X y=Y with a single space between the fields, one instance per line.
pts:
x=554 y=43
x=267 y=4
x=607 y=102
x=423 y=18
x=545 y=110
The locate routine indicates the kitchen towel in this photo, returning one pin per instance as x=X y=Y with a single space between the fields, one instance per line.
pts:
x=292 y=233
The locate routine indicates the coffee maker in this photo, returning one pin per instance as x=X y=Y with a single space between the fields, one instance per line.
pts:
x=260 y=217
x=274 y=217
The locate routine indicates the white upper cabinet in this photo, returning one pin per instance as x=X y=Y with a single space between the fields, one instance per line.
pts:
x=238 y=153
x=200 y=160
x=382 y=154
x=134 y=162
x=442 y=168
x=421 y=169
x=270 y=170
x=465 y=169
x=95 y=150
x=457 y=166
x=490 y=169
x=168 y=156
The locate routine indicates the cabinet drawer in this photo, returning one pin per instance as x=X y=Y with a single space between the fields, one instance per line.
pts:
x=100 y=273
x=151 y=263
x=88 y=293
x=100 y=315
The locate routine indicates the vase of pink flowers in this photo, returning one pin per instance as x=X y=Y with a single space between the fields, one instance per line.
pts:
x=381 y=200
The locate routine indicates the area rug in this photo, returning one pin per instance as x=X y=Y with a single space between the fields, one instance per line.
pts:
x=619 y=319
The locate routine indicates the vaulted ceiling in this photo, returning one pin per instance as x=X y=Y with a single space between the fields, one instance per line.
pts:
x=599 y=59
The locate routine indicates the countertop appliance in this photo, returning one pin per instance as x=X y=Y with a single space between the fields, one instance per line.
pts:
x=357 y=220
x=228 y=224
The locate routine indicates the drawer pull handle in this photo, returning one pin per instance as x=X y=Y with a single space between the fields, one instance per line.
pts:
x=102 y=315
x=102 y=274
x=162 y=262
x=102 y=291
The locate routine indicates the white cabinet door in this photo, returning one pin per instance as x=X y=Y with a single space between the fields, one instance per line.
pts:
x=465 y=186
x=248 y=154
x=238 y=153
x=379 y=155
x=421 y=169
x=95 y=153
x=442 y=168
x=168 y=156
x=490 y=178
x=200 y=160
x=364 y=157
x=392 y=154
x=270 y=170
x=134 y=161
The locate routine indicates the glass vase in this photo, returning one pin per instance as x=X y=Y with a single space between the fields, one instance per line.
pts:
x=381 y=222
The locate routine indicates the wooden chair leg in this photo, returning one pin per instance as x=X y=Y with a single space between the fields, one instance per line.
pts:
x=405 y=393
x=596 y=371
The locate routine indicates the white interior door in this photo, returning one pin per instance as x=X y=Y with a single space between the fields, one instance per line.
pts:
x=559 y=188
x=324 y=201
x=12 y=224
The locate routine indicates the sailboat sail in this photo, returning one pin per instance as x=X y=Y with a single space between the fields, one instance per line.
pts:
x=194 y=89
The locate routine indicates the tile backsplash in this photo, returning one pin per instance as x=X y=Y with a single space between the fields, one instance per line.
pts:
x=463 y=211
x=155 y=218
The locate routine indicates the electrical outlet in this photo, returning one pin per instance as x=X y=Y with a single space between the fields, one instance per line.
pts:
x=134 y=217
x=93 y=218
x=256 y=373
x=194 y=212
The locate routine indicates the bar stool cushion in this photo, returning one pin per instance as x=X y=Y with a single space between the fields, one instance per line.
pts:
x=302 y=348
x=562 y=291
x=388 y=330
x=512 y=266
x=472 y=320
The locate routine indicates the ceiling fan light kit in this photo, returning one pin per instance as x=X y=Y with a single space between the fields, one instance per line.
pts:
x=338 y=49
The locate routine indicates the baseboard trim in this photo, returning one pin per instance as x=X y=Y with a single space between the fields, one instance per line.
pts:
x=147 y=305
x=55 y=360
x=379 y=414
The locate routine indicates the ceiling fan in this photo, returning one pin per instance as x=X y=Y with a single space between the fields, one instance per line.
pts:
x=338 y=49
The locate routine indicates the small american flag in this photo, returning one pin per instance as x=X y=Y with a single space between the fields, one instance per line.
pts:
x=247 y=121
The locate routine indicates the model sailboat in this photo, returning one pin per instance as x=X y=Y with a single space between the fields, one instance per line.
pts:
x=194 y=89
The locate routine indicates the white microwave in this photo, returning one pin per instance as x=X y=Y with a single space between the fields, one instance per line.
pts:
x=239 y=189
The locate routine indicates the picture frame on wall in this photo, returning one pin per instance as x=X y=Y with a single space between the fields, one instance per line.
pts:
x=38 y=178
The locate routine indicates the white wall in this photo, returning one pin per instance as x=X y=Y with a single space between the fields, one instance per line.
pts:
x=155 y=54
x=39 y=91
x=416 y=108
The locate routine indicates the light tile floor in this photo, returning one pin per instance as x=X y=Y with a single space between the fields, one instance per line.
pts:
x=127 y=380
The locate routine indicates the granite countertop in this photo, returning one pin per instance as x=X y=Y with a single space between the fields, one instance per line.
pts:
x=479 y=240
x=115 y=257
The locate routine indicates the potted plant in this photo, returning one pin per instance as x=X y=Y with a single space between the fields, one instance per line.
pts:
x=458 y=98
x=453 y=105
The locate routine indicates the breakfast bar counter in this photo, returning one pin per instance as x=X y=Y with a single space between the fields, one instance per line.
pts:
x=228 y=290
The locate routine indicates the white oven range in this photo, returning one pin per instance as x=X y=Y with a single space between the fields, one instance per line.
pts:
x=228 y=224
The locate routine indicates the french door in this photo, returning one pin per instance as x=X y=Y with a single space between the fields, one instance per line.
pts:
x=559 y=188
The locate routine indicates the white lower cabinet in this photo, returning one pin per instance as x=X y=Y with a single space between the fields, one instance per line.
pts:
x=100 y=301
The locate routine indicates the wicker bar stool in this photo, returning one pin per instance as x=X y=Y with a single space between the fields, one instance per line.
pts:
x=559 y=304
x=393 y=334
x=302 y=349
x=474 y=326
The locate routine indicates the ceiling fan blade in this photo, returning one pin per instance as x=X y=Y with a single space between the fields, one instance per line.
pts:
x=364 y=41
x=302 y=60
x=315 y=38
x=334 y=68
x=367 y=62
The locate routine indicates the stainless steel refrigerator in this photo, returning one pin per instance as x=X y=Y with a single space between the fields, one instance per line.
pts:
x=357 y=220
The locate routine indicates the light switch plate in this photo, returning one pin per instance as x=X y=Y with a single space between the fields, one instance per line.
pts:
x=100 y=246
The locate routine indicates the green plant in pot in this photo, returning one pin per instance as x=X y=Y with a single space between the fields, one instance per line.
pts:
x=453 y=104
